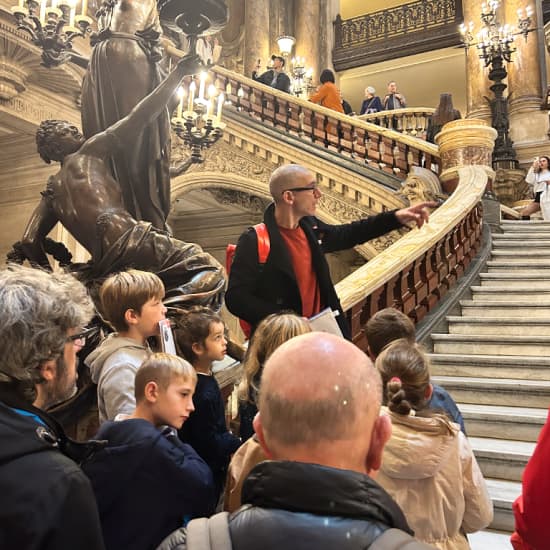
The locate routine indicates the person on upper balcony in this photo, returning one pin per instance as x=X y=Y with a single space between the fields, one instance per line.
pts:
x=328 y=95
x=393 y=99
x=371 y=103
x=276 y=76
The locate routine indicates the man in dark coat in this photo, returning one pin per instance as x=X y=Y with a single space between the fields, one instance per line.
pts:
x=319 y=424
x=296 y=275
x=47 y=502
x=275 y=77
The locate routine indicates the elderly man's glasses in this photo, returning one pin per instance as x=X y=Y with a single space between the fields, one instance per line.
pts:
x=298 y=189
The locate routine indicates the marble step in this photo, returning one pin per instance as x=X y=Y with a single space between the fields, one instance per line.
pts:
x=508 y=309
x=490 y=366
x=539 y=266
x=517 y=326
x=521 y=254
x=504 y=294
x=500 y=422
x=501 y=458
x=490 y=344
x=524 y=235
x=516 y=279
x=497 y=391
x=529 y=226
x=522 y=245
x=503 y=493
x=495 y=540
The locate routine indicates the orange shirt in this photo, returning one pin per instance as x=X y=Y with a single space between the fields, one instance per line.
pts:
x=328 y=96
x=300 y=256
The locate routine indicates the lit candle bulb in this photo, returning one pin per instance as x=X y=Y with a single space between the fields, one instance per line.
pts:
x=212 y=91
x=192 y=88
x=209 y=107
x=42 y=11
x=220 y=106
x=202 y=84
x=84 y=6
x=529 y=11
x=180 y=103
x=72 y=14
x=21 y=3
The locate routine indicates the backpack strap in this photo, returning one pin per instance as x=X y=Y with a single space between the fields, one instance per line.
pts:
x=395 y=539
x=209 y=534
x=263 y=242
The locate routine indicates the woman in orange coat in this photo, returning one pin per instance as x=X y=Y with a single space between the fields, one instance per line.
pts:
x=328 y=95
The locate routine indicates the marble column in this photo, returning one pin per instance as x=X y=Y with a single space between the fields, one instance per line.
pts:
x=528 y=123
x=477 y=83
x=257 y=34
x=308 y=30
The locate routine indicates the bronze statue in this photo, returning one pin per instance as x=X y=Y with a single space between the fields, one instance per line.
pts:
x=123 y=69
x=87 y=200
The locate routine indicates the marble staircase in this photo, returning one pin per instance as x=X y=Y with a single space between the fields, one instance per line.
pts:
x=495 y=361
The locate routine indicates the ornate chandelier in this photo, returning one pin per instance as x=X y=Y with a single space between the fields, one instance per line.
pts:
x=52 y=27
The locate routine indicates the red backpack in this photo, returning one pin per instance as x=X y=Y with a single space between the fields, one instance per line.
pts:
x=263 y=252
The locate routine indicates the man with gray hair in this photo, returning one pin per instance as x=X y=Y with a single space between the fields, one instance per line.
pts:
x=296 y=275
x=319 y=424
x=48 y=501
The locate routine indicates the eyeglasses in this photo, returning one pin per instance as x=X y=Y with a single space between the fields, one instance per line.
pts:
x=298 y=189
x=80 y=338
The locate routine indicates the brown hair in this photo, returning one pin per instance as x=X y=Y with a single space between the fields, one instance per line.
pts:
x=387 y=325
x=127 y=290
x=271 y=332
x=405 y=376
x=192 y=326
x=162 y=368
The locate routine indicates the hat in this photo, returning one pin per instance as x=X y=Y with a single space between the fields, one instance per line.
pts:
x=279 y=57
x=371 y=90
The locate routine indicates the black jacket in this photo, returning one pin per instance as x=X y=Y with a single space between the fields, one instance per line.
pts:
x=311 y=506
x=47 y=502
x=255 y=291
x=147 y=484
x=282 y=83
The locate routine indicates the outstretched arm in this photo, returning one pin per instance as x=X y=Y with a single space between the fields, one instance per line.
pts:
x=145 y=112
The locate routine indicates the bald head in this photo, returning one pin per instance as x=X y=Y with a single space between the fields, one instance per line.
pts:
x=285 y=177
x=318 y=388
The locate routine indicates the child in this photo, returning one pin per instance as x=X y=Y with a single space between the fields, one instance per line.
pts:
x=148 y=483
x=131 y=303
x=390 y=324
x=428 y=466
x=273 y=331
x=199 y=335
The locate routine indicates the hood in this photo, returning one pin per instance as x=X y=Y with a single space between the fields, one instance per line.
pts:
x=97 y=359
x=113 y=469
x=418 y=446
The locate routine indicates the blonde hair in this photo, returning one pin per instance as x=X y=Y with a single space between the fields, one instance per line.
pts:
x=271 y=332
x=162 y=368
x=128 y=290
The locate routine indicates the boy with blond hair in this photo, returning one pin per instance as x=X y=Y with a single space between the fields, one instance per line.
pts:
x=147 y=482
x=131 y=302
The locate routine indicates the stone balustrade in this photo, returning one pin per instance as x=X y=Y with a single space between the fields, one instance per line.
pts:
x=412 y=121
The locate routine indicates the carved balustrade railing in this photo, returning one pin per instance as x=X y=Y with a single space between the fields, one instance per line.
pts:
x=410 y=28
x=414 y=273
x=378 y=147
x=412 y=121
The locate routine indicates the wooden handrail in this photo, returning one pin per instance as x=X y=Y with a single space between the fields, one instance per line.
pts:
x=381 y=148
x=416 y=272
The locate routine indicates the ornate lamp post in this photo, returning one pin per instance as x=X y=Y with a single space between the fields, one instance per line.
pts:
x=495 y=44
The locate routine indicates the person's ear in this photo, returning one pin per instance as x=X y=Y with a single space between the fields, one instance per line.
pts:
x=197 y=348
x=151 y=391
x=131 y=316
x=370 y=354
x=429 y=392
x=48 y=370
x=381 y=433
x=259 y=429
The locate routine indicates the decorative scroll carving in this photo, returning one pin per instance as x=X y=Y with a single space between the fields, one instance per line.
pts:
x=510 y=186
x=466 y=156
x=252 y=203
x=12 y=80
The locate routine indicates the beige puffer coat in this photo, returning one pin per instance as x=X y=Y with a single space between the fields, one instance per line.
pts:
x=429 y=468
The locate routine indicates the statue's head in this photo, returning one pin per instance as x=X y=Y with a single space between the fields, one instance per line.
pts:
x=55 y=139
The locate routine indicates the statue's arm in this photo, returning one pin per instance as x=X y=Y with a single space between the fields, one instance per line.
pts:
x=144 y=113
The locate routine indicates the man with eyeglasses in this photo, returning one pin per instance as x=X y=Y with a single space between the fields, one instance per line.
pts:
x=48 y=502
x=296 y=276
